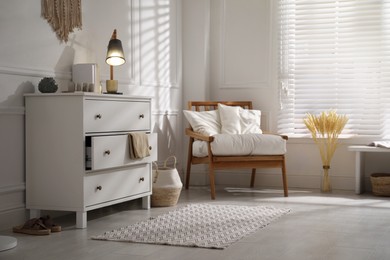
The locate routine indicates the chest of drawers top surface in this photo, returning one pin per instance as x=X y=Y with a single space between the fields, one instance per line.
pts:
x=89 y=95
x=99 y=112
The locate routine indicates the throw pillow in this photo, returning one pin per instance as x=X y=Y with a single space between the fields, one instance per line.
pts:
x=250 y=121
x=230 y=119
x=204 y=122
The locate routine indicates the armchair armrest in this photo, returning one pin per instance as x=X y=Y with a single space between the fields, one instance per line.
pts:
x=198 y=136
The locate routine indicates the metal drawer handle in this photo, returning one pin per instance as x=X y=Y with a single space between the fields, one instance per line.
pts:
x=150 y=148
x=141 y=116
x=98 y=116
x=141 y=179
x=107 y=152
x=99 y=187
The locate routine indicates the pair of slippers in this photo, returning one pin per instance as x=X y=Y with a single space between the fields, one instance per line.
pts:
x=37 y=226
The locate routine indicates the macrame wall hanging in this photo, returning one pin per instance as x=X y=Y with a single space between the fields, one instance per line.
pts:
x=63 y=16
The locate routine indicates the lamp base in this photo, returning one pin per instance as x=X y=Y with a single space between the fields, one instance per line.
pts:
x=112 y=86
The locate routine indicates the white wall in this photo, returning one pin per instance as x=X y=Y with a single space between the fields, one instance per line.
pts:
x=196 y=54
x=243 y=66
x=150 y=32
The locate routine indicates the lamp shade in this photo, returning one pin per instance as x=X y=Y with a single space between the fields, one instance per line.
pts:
x=115 y=55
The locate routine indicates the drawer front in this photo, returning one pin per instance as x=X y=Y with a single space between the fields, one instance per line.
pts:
x=116 y=185
x=113 y=151
x=114 y=116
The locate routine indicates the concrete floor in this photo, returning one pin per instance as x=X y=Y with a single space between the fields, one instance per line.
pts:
x=339 y=225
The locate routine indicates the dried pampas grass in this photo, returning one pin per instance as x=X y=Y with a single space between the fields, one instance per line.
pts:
x=325 y=130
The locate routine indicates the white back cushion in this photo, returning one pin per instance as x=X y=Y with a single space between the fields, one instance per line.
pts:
x=225 y=120
x=205 y=122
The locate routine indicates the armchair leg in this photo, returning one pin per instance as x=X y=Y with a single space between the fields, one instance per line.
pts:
x=212 y=181
x=211 y=171
x=253 y=176
x=189 y=161
x=284 y=175
x=188 y=174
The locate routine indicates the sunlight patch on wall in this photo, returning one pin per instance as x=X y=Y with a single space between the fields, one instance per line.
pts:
x=155 y=43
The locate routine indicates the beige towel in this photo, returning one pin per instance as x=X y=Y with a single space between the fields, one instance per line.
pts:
x=138 y=145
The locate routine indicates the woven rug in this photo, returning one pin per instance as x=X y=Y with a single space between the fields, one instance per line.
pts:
x=198 y=225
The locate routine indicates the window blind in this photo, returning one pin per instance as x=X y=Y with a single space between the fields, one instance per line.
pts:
x=335 y=55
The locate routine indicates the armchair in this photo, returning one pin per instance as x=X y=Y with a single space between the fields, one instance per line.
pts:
x=218 y=156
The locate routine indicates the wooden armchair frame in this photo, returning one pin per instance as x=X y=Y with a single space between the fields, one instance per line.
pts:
x=229 y=162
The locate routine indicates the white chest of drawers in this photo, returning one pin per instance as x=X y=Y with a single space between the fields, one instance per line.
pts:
x=77 y=152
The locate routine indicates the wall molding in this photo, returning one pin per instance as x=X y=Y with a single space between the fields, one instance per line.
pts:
x=245 y=85
x=12 y=111
x=35 y=72
x=131 y=83
x=160 y=85
x=12 y=188
x=271 y=179
x=150 y=85
x=15 y=207
x=12 y=216
x=13 y=212
x=165 y=112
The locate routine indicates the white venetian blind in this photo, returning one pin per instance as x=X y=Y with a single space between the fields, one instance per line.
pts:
x=335 y=55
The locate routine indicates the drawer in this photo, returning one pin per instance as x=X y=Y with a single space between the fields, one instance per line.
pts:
x=114 y=116
x=113 y=151
x=116 y=185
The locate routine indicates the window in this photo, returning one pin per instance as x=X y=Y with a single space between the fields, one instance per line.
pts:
x=335 y=55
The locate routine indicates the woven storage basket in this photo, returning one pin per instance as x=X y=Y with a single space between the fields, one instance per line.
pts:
x=166 y=185
x=380 y=183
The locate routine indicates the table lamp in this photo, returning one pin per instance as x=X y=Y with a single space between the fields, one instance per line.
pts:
x=115 y=57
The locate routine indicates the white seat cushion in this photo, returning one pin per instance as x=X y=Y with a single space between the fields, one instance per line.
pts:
x=241 y=145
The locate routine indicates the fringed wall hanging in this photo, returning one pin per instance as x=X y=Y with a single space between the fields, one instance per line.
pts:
x=63 y=16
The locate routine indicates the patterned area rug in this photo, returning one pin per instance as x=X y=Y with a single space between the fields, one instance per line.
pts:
x=198 y=225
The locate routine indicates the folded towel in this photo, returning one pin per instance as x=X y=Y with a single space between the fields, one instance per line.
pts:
x=138 y=145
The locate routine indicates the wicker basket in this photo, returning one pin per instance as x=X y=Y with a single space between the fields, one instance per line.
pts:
x=380 y=183
x=166 y=185
x=165 y=197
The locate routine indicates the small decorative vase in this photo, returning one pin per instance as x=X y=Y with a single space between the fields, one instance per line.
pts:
x=47 y=85
x=325 y=179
